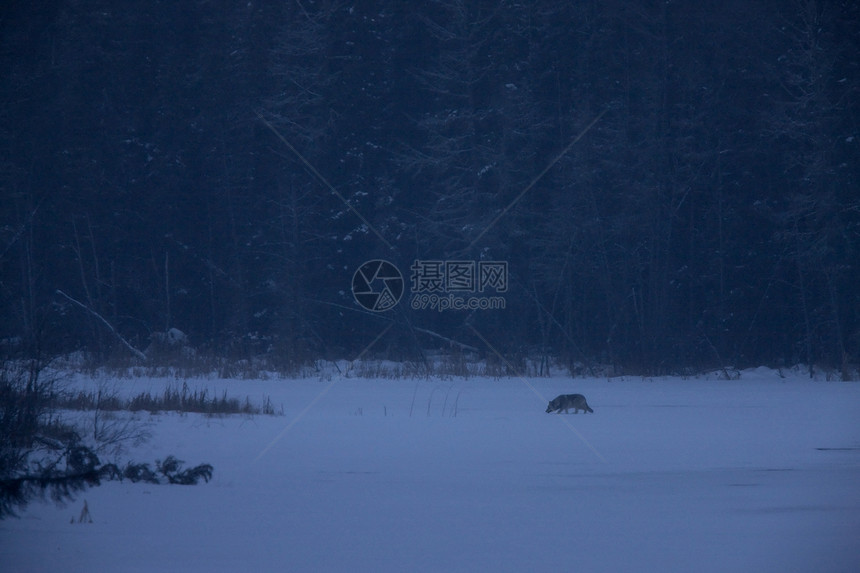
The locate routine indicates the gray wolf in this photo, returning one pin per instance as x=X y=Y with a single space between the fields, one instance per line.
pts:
x=566 y=401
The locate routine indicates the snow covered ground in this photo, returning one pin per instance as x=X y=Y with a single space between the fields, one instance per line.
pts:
x=757 y=474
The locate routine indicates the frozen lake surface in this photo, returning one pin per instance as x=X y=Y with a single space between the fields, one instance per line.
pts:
x=756 y=474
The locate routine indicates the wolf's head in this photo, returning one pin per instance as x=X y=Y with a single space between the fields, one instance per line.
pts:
x=551 y=407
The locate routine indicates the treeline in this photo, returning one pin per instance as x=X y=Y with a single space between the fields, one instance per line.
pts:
x=709 y=217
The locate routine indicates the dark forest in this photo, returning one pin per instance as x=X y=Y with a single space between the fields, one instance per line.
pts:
x=674 y=186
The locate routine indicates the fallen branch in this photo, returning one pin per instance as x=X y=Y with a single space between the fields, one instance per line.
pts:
x=125 y=342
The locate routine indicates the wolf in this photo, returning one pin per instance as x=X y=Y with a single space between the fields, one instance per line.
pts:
x=566 y=401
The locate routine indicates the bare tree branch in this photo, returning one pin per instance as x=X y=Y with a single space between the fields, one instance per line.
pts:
x=125 y=342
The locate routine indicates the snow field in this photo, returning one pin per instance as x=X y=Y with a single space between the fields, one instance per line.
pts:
x=757 y=474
